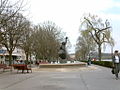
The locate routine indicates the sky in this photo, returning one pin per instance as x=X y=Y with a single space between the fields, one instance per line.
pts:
x=67 y=14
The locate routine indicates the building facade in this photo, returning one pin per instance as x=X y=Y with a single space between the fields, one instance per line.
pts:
x=18 y=54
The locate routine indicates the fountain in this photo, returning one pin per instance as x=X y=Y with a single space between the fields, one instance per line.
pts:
x=63 y=62
x=62 y=52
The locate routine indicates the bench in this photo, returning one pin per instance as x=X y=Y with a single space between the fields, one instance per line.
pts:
x=4 y=67
x=22 y=67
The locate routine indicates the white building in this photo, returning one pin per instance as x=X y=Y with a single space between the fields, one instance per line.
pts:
x=18 y=54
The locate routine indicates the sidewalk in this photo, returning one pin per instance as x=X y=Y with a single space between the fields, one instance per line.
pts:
x=89 y=78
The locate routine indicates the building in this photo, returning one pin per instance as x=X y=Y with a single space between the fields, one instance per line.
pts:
x=18 y=54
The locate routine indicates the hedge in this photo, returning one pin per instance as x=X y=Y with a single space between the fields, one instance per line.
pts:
x=102 y=63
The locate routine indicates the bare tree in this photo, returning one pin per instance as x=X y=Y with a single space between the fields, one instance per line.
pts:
x=8 y=10
x=26 y=39
x=47 y=40
x=85 y=44
x=99 y=30
x=11 y=24
x=12 y=32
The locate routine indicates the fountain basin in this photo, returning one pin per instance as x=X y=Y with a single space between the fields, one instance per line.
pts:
x=65 y=65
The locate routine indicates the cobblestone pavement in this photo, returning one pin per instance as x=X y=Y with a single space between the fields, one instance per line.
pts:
x=84 y=78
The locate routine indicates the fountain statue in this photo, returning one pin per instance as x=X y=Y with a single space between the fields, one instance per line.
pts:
x=62 y=52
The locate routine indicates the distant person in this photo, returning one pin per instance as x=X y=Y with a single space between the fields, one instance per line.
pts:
x=37 y=63
x=22 y=62
x=2 y=62
x=116 y=63
x=89 y=61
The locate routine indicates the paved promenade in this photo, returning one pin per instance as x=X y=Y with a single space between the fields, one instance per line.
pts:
x=84 y=78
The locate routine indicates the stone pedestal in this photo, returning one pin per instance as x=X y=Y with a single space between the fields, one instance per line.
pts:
x=63 y=61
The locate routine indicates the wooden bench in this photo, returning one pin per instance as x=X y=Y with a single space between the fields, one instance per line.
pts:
x=22 y=67
x=4 y=67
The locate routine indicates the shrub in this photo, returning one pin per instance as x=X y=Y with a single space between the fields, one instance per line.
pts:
x=101 y=63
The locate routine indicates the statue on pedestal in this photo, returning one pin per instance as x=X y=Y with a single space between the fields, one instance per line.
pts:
x=62 y=52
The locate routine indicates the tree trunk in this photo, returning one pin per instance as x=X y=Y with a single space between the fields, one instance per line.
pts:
x=10 y=58
x=26 y=57
x=30 y=60
x=99 y=52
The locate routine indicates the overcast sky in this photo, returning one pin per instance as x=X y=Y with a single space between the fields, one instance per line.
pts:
x=67 y=13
